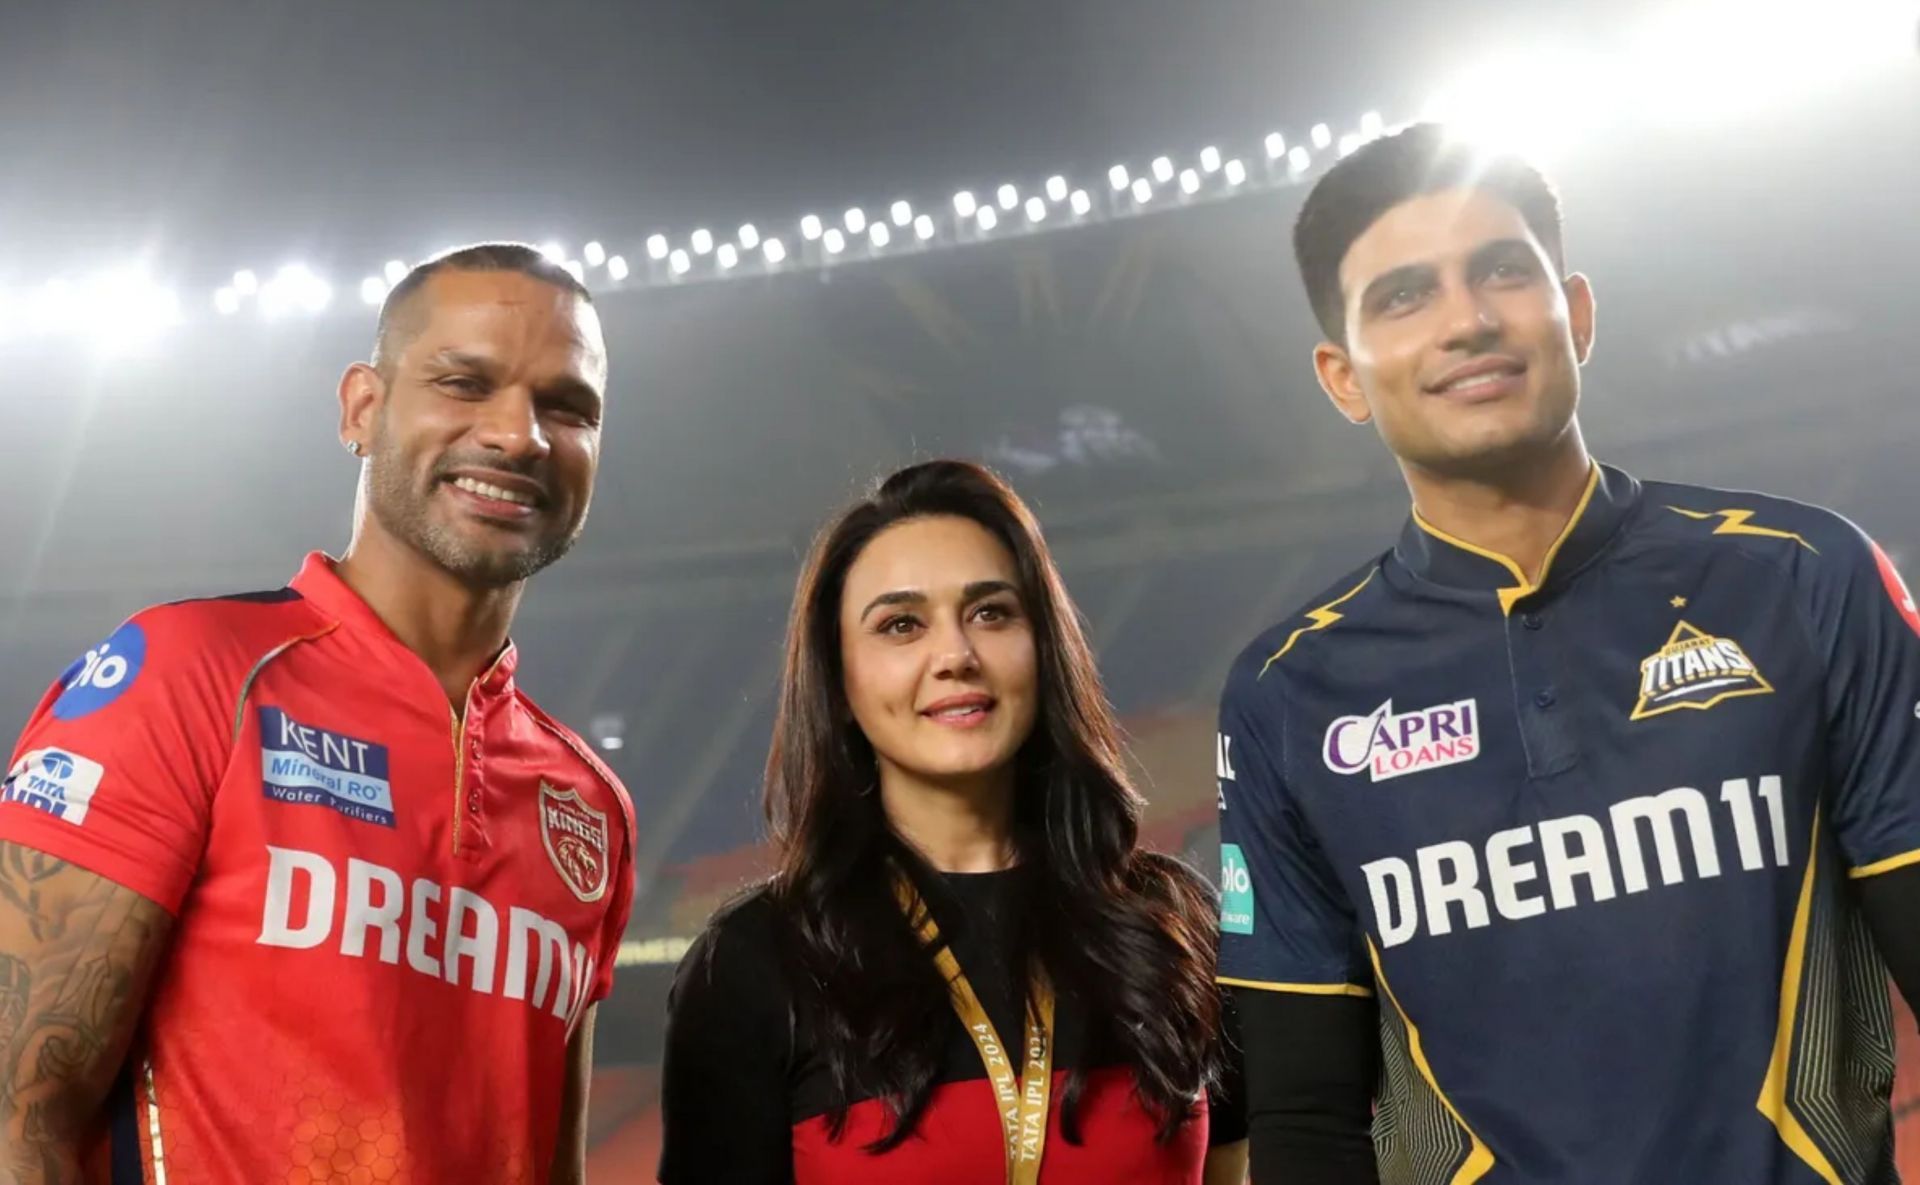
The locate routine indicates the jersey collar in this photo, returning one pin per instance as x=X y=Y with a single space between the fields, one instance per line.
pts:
x=321 y=585
x=1432 y=554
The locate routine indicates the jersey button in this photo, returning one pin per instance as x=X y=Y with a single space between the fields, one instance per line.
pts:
x=1543 y=698
x=473 y=802
x=1532 y=621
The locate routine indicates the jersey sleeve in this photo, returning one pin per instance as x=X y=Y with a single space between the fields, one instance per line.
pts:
x=617 y=915
x=118 y=765
x=1865 y=621
x=1285 y=922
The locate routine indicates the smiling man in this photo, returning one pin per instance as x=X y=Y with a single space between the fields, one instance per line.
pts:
x=298 y=884
x=1572 y=838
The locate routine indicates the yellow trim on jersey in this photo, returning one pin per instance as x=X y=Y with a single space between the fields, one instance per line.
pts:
x=1734 y=522
x=1318 y=619
x=1887 y=865
x=1522 y=586
x=1479 y=1157
x=1304 y=989
x=1772 y=1102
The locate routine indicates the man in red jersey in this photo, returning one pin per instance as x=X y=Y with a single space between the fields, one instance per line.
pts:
x=298 y=886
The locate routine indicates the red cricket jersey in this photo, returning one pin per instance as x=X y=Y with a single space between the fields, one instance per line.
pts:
x=389 y=918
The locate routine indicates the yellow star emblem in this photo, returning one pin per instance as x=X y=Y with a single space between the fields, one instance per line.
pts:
x=1678 y=602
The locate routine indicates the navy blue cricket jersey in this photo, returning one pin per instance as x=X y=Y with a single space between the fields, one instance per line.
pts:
x=1588 y=841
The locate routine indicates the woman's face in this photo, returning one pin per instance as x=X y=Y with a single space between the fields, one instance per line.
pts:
x=938 y=652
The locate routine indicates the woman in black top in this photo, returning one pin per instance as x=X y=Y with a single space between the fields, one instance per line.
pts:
x=966 y=969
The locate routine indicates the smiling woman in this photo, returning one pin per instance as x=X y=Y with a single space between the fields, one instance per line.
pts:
x=964 y=944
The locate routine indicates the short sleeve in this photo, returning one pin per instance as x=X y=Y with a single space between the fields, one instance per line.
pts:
x=118 y=766
x=1865 y=620
x=614 y=929
x=724 y=1106
x=1285 y=922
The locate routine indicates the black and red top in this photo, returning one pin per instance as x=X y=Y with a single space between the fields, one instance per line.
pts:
x=746 y=1097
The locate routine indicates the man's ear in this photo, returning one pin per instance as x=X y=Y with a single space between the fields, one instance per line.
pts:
x=362 y=394
x=1333 y=366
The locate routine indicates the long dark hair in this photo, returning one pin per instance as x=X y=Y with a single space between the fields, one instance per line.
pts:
x=1127 y=934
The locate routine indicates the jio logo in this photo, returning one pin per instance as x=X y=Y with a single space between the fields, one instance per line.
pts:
x=103 y=674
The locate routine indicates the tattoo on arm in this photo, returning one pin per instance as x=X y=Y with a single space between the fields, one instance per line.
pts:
x=77 y=956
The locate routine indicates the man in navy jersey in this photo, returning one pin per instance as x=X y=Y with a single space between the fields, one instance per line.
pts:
x=1573 y=837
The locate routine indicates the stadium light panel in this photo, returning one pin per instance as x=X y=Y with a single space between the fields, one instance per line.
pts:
x=595 y=253
x=856 y=220
x=1189 y=182
x=1209 y=159
x=617 y=267
x=1009 y=197
x=1321 y=135
x=902 y=212
x=701 y=240
x=749 y=236
x=1276 y=146
x=774 y=250
x=879 y=234
x=1235 y=171
x=1036 y=209
x=372 y=290
x=1142 y=190
x=964 y=204
x=810 y=227
x=1163 y=169
x=1117 y=177
x=834 y=241
x=1080 y=203
x=727 y=256
x=1056 y=188
x=395 y=271
x=680 y=262
x=988 y=218
x=923 y=228
x=656 y=247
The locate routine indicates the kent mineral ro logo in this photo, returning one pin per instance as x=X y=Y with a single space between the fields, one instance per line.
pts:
x=1389 y=744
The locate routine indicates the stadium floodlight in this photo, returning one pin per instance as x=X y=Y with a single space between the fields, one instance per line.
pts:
x=963 y=203
x=1117 y=177
x=988 y=218
x=576 y=269
x=617 y=267
x=1142 y=190
x=245 y=283
x=834 y=241
x=1081 y=203
x=810 y=227
x=680 y=261
x=554 y=251
x=701 y=240
x=728 y=255
x=294 y=288
x=774 y=250
x=1276 y=145
x=902 y=212
x=372 y=290
x=656 y=247
x=1299 y=160
x=1209 y=159
x=1056 y=188
x=1236 y=171
x=395 y=271
x=879 y=234
x=227 y=301
x=1008 y=196
x=1036 y=209
x=1348 y=142
x=923 y=228
x=1162 y=169
x=1371 y=125
x=749 y=236
x=1189 y=182
x=856 y=220
x=594 y=253
x=1321 y=135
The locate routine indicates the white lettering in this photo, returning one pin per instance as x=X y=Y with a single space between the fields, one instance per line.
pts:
x=525 y=928
x=363 y=915
x=479 y=947
x=1442 y=890
x=1390 y=882
x=276 y=919
x=1505 y=875
x=425 y=893
x=1738 y=796
x=1776 y=810
x=1658 y=811
x=1563 y=866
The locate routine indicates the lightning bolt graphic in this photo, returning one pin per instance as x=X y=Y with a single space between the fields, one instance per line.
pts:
x=1737 y=522
x=1318 y=619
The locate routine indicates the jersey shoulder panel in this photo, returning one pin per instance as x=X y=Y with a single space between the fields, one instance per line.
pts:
x=1782 y=531
x=573 y=741
x=1298 y=640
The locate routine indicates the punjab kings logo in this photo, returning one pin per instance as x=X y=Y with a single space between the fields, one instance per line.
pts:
x=1897 y=589
x=1695 y=670
x=1389 y=744
x=575 y=836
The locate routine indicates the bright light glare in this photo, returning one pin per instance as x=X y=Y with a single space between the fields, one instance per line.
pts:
x=1036 y=209
x=1276 y=146
x=594 y=253
x=1349 y=142
x=1117 y=177
x=834 y=241
x=576 y=269
x=1008 y=196
x=923 y=228
x=372 y=290
x=1056 y=188
x=902 y=213
x=810 y=227
x=1371 y=125
x=680 y=261
x=1321 y=135
x=656 y=246
x=1081 y=203
x=294 y=288
x=1236 y=171
x=1209 y=159
x=1142 y=190
x=728 y=255
x=617 y=267
x=395 y=271
x=988 y=218
x=749 y=236
x=1163 y=169
x=963 y=203
x=114 y=309
x=245 y=282
x=1189 y=182
x=880 y=235
x=1299 y=160
x=701 y=240
x=774 y=250
x=856 y=220
x=554 y=251
x=227 y=301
